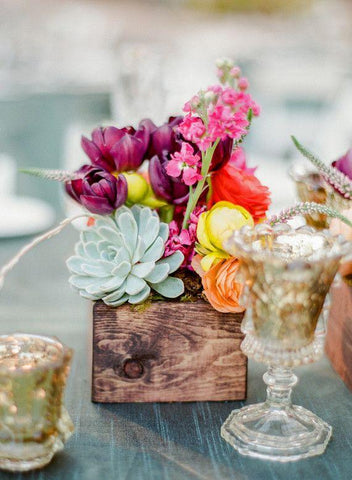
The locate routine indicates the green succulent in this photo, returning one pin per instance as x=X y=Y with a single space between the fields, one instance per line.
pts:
x=119 y=259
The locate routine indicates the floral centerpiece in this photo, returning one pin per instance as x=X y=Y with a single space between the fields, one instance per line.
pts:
x=160 y=203
x=162 y=199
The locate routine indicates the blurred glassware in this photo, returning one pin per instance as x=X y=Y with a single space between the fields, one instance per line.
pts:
x=310 y=187
x=139 y=90
x=34 y=422
x=267 y=6
x=13 y=222
x=335 y=200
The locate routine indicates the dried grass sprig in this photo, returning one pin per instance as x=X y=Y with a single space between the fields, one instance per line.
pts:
x=336 y=178
x=57 y=175
x=305 y=208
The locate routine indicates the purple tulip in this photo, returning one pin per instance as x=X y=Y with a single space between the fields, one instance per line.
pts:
x=97 y=190
x=118 y=149
x=171 y=189
x=165 y=139
x=222 y=154
x=344 y=164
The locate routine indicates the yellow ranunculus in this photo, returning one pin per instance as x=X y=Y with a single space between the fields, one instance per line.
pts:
x=139 y=191
x=215 y=227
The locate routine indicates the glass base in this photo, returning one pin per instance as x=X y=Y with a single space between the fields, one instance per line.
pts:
x=29 y=455
x=281 y=435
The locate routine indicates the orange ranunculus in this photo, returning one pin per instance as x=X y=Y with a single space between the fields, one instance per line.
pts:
x=235 y=185
x=221 y=288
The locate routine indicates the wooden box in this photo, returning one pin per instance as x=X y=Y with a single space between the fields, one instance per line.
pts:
x=339 y=332
x=170 y=352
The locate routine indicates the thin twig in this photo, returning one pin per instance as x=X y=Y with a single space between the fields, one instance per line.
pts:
x=45 y=236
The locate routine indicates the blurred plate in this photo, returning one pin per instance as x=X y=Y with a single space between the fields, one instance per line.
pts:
x=24 y=216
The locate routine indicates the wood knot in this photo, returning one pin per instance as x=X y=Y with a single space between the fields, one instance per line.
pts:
x=133 y=368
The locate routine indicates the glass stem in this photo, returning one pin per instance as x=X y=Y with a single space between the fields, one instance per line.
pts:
x=280 y=382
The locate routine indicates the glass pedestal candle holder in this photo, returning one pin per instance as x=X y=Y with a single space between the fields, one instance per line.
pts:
x=335 y=200
x=310 y=187
x=288 y=274
x=33 y=421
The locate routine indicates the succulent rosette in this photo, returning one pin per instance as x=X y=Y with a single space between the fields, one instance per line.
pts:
x=120 y=259
x=97 y=190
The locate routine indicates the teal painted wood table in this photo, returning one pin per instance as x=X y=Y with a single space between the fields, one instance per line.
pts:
x=152 y=441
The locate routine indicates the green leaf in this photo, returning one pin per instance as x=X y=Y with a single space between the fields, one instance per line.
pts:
x=172 y=287
x=159 y=273
x=116 y=295
x=164 y=231
x=174 y=261
x=154 y=252
x=129 y=229
x=141 y=270
x=134 y=285
x=122 y=270
x=116 y=303
x=140 y=297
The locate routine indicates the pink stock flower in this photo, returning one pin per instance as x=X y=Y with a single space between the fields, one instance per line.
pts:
x=224 y=123
x=186 y=163
x=192 y=128
x=183 y=239
x=217 y=89
x=238 y=160
x=221 y=112
x=191 y=104
x=255 y=109
x=243 y=83
x=235 y=72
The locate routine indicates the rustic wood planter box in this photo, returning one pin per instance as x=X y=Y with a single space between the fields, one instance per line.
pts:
x=339 y=332
x=170 y=352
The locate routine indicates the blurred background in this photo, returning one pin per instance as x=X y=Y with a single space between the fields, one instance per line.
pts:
x=69 y=65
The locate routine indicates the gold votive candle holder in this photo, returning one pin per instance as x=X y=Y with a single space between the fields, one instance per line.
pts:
x=310 y=187
x=34 y=424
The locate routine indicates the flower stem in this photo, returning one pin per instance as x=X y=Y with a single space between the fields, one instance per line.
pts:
x=196 y=193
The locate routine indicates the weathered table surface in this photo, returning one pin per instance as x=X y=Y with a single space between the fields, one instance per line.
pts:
x=152 y=441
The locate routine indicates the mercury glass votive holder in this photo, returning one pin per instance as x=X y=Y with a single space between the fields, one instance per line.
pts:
x=310 y=187
x=34 y=424
x=288 y=274
x=335 y=200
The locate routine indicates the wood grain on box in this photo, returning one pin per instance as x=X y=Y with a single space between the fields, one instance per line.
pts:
x=339 y=332
x=170 y=352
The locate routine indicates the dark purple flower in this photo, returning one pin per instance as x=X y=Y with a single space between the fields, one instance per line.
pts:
x=171 y=189
x=222 y=154
x=165 y=139
x=344 y=164
x=97 y=190
x=119 y=149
